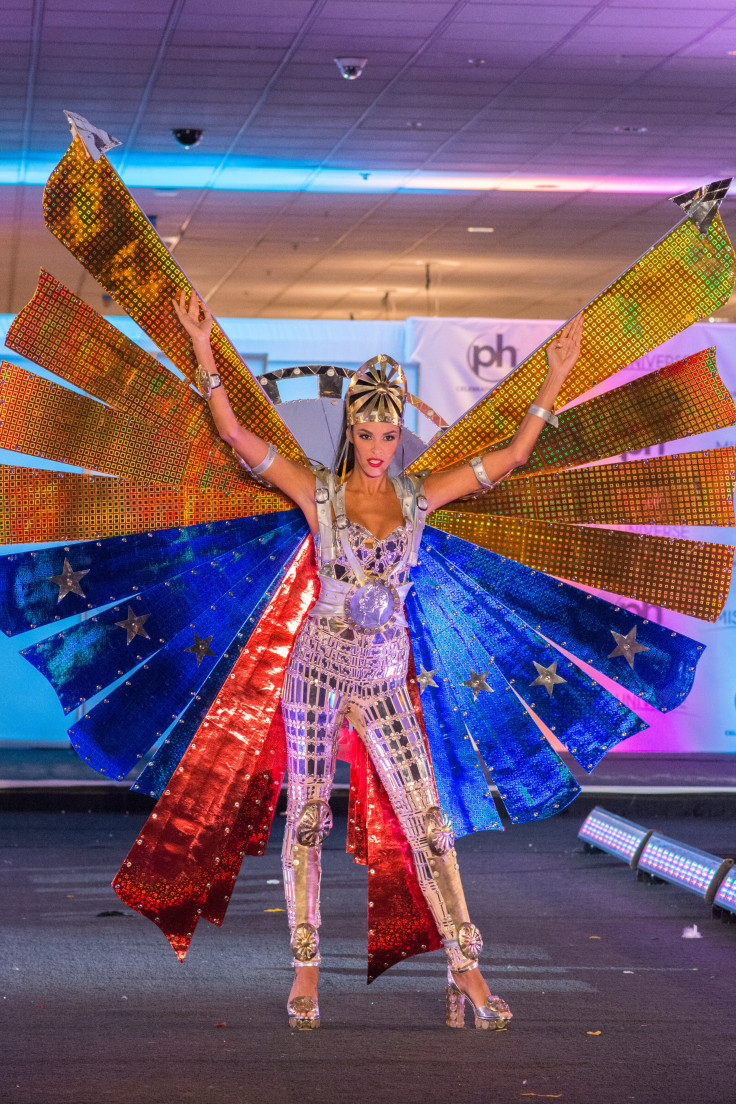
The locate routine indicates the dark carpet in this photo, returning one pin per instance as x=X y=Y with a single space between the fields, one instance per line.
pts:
x=611 y=1004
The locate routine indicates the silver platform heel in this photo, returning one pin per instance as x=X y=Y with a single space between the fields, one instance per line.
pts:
x=491 y=1016
x=303 y=1013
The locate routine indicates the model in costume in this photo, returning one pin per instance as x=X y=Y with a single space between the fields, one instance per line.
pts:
x=350 y=657
x=173 y=602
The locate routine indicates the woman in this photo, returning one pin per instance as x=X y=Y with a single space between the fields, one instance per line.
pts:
x=350 y=657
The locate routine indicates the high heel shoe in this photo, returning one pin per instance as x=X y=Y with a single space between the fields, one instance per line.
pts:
x=303 y=1013
x=491 y=1016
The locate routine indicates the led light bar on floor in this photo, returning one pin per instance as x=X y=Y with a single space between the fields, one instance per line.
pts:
x=614 y=835
x=725 y=898
x=679 y=864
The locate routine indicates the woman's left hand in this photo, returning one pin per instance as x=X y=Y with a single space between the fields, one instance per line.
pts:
x=564 y=350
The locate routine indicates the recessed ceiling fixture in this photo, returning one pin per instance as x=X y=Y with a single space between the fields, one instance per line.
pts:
x=414 y=124
x=480 y=229
x=630 y=130
x=187 y=136
x=351 y=67
x=477 y=63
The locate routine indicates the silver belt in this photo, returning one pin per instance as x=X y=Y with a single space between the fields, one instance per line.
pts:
x=371 y=605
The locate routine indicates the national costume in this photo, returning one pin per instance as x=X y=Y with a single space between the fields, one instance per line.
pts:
x=182 y=605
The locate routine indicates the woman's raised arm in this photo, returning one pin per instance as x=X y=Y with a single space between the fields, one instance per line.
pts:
x=295 y=480
x=562 y=355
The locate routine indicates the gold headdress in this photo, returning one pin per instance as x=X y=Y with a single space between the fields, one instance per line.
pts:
x=377 y=392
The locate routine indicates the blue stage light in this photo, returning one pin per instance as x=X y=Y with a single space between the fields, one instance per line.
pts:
x=685 y=866
x=614 y=835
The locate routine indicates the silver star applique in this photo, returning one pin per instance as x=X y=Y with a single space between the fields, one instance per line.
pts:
x=627 y=646
x=201 y=647
x=68 y=581
x=547 y=677
x=133 y=625
x=477 y=682
x=425 y=679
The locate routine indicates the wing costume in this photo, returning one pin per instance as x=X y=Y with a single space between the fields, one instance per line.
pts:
x=176 y=584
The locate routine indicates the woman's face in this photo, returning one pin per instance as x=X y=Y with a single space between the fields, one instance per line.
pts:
x=375 y=444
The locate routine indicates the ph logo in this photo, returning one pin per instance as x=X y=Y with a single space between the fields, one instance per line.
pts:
x=485 y=360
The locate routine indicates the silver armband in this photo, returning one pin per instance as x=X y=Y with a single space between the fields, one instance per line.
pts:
x=545 y=415
x=206 y=381
x=480 y=472
x=266 y=462
x=257 y=471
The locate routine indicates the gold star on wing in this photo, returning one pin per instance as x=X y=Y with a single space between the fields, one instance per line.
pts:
x=201 y=647
x=627 y=646
x=477 y=682
x=547 y=677
x=425 y=679
x=134 y=625
x=68 y=581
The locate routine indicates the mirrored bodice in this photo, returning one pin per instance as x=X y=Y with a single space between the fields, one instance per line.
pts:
x=376 y=557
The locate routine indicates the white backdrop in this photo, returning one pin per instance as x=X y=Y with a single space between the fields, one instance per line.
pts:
x=457 y=360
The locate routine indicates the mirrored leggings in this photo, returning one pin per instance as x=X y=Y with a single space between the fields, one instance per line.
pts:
x=329 y=678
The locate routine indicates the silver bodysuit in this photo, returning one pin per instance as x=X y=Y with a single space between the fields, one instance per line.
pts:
x=350 y=660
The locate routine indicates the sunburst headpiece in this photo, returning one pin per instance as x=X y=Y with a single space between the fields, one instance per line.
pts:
x=377 y=392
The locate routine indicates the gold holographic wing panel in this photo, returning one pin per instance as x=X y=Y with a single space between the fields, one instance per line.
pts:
x=694 y=488
x=688 y=576
x=66 y=336
x=683 y=278
x=88 y=208
x=48 y=420
x=680 y=400
x=66 y=506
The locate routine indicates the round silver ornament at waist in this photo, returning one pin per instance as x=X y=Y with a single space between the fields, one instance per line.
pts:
x=371 y=605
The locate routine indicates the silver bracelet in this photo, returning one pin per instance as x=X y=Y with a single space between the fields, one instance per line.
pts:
x=545 y=415
x=206 y=381
x=480 y=472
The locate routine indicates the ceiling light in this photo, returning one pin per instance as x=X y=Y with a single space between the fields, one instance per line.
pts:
x=480 y=229
x=351 y=67
x=630 y=130
x=414 y=124
x=477 y=63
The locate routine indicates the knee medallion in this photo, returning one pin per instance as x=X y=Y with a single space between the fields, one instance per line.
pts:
x=305 y=942
x=315 y=823
x=440 y=832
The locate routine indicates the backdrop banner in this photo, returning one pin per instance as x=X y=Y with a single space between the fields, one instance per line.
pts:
x=461 y=359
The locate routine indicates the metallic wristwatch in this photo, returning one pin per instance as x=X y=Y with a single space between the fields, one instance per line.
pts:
x=206 y=381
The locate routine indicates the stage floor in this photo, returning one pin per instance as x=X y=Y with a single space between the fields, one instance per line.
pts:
x=611 y=1004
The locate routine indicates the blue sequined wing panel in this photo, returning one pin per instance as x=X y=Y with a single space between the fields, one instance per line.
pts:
x=114 y=734
x=487 y=668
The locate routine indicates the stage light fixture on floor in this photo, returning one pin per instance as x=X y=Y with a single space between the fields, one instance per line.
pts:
x=725 y=899
x=613 y=834
x=671 y=861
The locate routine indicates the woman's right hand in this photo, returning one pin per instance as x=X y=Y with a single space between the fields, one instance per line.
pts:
x=199 y=329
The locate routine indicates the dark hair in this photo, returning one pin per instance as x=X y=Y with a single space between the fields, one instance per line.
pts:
x=342 y=444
